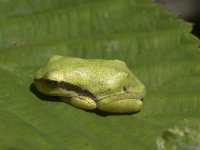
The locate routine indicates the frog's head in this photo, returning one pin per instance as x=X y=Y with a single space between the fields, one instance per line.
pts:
x=125 y=95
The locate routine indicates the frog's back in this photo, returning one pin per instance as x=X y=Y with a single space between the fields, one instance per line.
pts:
x=95 y=74
x=72 y=62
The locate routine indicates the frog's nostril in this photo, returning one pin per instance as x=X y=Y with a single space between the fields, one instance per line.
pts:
x=124 y=89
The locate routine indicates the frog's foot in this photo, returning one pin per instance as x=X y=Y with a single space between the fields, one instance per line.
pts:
x=80 y=102
x=121 y=106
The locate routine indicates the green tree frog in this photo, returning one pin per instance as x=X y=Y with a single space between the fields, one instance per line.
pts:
x=107 y=85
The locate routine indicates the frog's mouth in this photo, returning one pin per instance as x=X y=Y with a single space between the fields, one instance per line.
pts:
x=121 y=103
x=122 y=96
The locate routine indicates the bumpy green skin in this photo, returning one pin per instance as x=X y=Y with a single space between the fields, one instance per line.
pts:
x=115 y=88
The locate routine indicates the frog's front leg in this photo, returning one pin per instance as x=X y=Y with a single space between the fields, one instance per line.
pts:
x=80 y=102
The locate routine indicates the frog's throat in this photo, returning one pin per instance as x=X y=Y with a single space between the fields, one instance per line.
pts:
x=66 y=86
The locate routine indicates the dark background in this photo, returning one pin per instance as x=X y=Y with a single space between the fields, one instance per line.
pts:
x=188 y=10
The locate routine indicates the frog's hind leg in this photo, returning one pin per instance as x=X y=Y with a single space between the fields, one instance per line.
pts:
x=80 y=102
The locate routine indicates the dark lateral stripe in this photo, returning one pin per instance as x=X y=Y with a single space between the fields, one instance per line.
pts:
x=67 y=86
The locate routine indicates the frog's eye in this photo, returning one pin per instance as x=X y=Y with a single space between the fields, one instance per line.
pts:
x=125 y=89
x=51 y=84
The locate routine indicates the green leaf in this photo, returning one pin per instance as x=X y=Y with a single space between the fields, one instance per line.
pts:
x=177 y=139
x=156 y=46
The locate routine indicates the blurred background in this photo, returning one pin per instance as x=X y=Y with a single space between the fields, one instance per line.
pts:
x=188 y=10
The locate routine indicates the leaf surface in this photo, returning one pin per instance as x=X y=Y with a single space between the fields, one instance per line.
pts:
x=156 y=46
